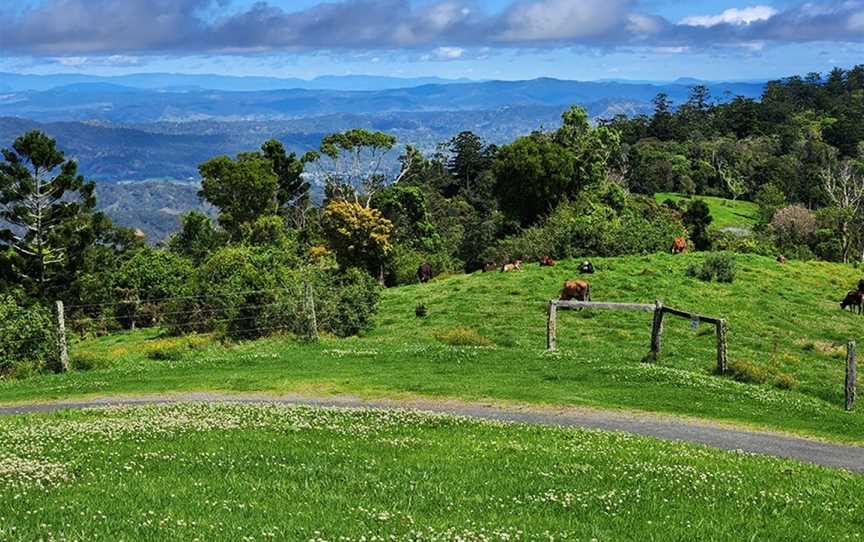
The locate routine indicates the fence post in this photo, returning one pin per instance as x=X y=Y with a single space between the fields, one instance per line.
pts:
x=850 y=375
x=311 y=320
x=657 y=331
x=61 y=337
x=721 y=347
x=551 y=327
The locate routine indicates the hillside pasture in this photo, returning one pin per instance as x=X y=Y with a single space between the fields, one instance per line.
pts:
x=727 y=214
x=484 y=340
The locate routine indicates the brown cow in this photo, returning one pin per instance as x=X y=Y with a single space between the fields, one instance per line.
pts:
x=579 y=290
x=546 y=261
x=679 y=245
x=781 y=259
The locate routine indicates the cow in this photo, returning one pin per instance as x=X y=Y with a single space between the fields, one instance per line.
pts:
x=489 y=266
x=861 y=286
x=679 y=245
x=854 y=299
x=781 y=259
x=424 y=272
x=515 y=266
x=579 y=290
x=546 y=261
x=587 y=268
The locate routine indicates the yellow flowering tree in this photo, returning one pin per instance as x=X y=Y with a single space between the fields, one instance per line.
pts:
x=360 y=236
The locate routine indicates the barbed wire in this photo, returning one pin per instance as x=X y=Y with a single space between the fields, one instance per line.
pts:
x=176 y=298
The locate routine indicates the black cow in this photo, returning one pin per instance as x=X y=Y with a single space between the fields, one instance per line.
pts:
x=424 y=272
x=854 y=299
x=587 y=268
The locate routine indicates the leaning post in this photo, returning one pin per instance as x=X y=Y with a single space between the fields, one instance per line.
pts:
x=657 y=331
x=61 y=337
x=721 y=347
x=551 y=326
x=851 y=375
x=311 y=319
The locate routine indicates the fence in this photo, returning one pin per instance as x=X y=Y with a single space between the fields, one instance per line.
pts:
x=656 y=326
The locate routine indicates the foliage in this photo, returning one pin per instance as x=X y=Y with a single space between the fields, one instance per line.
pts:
x=360 y=236
x=697 y=217
x=590 y=227
x=46 y=214
x=27 y=341
x=197 y=237
x=143 y=283
x=242 y=190
x=719 y=266
x=793 y=226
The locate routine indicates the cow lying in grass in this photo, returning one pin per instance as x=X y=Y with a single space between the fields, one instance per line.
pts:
x=578 y=290
x=515 y=266
x=679 y=245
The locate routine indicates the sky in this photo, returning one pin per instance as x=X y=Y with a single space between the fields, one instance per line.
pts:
x=657 y=40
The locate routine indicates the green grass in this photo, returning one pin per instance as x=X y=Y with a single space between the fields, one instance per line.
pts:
x=784 y=320
x=204 y=472
x=726 y=213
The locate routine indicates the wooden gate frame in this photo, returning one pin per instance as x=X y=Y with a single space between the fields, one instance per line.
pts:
x=656 y=327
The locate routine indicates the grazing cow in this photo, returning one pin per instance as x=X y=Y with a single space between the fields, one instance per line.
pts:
x=424 y=272
x=854 y=299
x=489 y=266
x=515 y=266
x=546 y=261
x=579 y=290
x=587 y=268
x=679 y=245
x=781 y=259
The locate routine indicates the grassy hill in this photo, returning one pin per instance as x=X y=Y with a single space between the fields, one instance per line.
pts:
x=726 y=213
x=484 y=339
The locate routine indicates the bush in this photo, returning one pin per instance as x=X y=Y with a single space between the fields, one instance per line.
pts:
x=720 y=266
x=590 y=227
x=27 y=343
x=85 y=361
x=750 y=373
x=463 y=336
x=345 y=303
x=793 y=226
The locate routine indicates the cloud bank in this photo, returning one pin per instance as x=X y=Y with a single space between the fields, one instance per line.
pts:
x=443 y=28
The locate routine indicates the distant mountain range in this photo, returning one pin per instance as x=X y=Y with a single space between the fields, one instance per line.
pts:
x=13 y=82
x=125 y=104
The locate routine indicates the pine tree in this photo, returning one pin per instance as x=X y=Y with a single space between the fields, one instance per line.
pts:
x=45 y=208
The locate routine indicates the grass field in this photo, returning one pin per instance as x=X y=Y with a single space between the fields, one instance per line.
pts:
x=726 y=213
x=253 y=473
x=484 y=339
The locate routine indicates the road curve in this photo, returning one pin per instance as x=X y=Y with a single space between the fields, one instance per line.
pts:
x=670 y=428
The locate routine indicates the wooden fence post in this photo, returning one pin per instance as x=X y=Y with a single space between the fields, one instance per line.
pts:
x=721 y=347
x=657 y=331
x=61 y=337
x=850 y=375
x=311 y=320
x=551 y=326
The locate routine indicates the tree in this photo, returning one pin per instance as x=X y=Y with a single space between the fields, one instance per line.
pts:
x=292 y=192
x=241 y=189
x=350 y=163
x=469 y=158
x=794 y=226
x=697 y=218
x=197 y=237
x=359 y=235
x=49 y=210
x=844 y=187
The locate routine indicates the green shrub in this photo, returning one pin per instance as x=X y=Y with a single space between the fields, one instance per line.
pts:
x=750 y=373
x=27 y=342
x=168 y=353
x=86 y=361
x=720 y=266
x=346 y=302
x=463 y=336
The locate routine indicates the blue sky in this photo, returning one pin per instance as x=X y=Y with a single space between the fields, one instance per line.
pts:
x=481 y=39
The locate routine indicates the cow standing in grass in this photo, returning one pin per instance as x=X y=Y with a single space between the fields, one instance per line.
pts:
x=679 y=245
x=578 y=290
x=515 y=266
x=854 y=299
x=424 y=272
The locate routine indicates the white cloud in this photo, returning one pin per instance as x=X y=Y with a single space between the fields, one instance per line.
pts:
x=856 y=22
x=732 y=16
x=445 y=53
x=551 y=20
x=113 y=60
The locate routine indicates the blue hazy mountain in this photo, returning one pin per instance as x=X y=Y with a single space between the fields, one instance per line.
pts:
x=113 y=102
